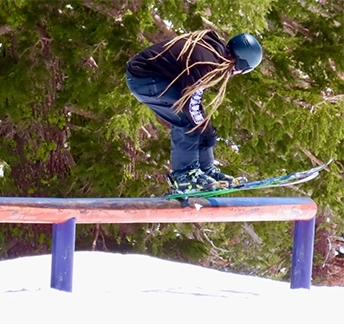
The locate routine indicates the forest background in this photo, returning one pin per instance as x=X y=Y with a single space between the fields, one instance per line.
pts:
x=69 y=126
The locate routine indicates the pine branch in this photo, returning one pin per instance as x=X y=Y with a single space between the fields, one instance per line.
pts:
x=312 y=157
x=250 y=231
x=103 y=9
x=295 y=27
x=202 y=231
x=83 y=113
x=168 y=31
x=5 y=29
x=210 y=25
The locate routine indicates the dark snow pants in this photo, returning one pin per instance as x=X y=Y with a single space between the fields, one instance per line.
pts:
x=186 y=150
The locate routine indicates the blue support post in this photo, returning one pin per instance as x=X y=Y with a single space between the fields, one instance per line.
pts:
x=63 y=246
x=302 y=259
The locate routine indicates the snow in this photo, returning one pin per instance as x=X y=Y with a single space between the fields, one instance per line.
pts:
x=116 y=288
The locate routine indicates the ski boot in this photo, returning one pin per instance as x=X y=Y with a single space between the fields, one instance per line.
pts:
x=191 y=181
x=225 y=180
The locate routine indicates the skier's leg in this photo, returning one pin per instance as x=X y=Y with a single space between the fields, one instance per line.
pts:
x=187 y=174
x=184 y=146
x=184 y=149
x=150 y=91
x=206 y=158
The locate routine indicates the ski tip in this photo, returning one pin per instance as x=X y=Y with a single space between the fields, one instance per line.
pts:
x=325 y=165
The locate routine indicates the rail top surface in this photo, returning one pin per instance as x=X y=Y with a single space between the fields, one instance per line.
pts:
x=155 y=210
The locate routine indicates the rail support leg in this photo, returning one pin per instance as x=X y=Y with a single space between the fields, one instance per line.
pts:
x=63 y=246
x=302 y=259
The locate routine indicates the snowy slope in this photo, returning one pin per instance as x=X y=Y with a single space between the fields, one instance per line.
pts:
x=115 y=288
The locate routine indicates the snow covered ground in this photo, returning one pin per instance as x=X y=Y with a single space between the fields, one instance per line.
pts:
x=115 y=288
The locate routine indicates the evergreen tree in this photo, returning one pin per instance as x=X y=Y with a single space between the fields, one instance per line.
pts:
x=70 y=128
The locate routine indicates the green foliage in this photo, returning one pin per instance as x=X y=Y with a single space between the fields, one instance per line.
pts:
x=260 y=248
x=69 y=126
x=171 y=241
x=22 y=239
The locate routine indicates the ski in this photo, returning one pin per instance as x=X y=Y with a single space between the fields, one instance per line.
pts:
x=279 y=181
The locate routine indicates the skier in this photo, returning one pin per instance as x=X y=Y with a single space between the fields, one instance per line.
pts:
x=170 y=78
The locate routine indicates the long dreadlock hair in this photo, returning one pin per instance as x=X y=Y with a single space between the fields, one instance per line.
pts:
x=220 y=73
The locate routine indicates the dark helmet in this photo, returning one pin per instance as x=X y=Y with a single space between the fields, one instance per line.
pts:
x=247 y=51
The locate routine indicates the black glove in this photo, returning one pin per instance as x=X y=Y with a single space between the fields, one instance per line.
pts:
x=208 y=137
